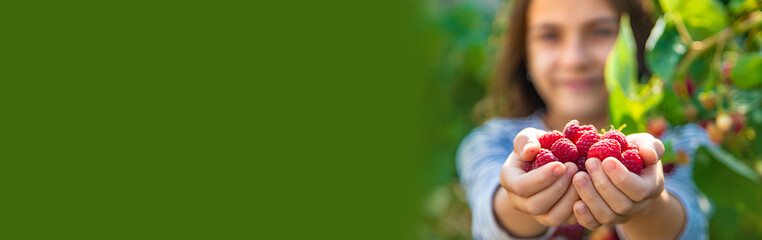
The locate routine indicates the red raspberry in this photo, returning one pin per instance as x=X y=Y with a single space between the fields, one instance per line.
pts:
x=588 y=128
x=544 y=157
x=565 y=150
x=618 y=136
x=570 y=131
x=581 y=163
x=739 y=122
x=605 y=148
x=575 y=231
x=582 y=129
x=528 y=166
x=547 y=140
x=585 y=141
x=632 y=146
x=658 y=126
x=631 y=160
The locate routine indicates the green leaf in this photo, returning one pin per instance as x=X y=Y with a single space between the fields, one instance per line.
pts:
x=651 y=93
x=633 y=114
x=728 y=223
x=738 y=7
x=703 y=18
x=745 y=100
x=733 y=187
x=672 y=108
x=668 y=5
x=664 y=49
x=622 y=65
x=724 y=223
x=700 y=67
x=747 y=73
x=713 y=77
x=754 y=119
x=714 y=169
x=628 y=100
x=669 y=153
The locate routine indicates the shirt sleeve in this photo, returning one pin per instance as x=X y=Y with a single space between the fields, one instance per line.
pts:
x=680 y=183
x=479 y=160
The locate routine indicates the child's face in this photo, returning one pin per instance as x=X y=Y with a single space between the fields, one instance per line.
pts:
x=567 y=45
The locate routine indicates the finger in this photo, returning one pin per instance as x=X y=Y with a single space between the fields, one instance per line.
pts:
x=651 y=149
x=616 y=200
x=584 y=217
x=561 y=211
x=571 y=220
x=543 y=200
x=595 y=204
x=649 y=184
x=518 y=202
x=526 y=144
x=526 y=184
x=513 y=162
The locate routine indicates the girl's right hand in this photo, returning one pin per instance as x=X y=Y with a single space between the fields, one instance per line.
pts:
x=544 y=193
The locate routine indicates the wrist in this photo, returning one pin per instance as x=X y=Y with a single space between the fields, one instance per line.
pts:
x=513 y=221
x=665 y=217
x=657 y=204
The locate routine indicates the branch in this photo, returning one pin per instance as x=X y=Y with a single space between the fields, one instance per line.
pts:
x=682 y=29
x=697 y=47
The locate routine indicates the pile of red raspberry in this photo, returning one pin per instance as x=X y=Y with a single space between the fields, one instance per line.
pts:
x=578 y=143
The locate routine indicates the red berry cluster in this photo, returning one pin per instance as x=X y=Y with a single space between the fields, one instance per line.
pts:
x=578 y=143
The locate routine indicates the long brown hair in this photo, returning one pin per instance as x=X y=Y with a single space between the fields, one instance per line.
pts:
x=511 y=94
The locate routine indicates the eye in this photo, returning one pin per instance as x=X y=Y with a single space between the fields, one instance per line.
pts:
x=549 y=36
x=604 y=32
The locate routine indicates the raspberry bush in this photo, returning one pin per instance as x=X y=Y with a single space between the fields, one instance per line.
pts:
x=705 y=59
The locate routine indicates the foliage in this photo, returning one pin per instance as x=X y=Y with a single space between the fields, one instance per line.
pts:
x=707 y=69
x=463 y=46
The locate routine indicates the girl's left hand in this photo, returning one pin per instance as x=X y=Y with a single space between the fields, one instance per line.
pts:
x=610 y=194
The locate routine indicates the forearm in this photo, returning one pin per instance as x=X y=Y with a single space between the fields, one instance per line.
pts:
x=517 y=223
x=665 y=220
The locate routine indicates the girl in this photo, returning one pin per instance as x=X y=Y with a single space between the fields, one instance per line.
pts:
x=550 y=72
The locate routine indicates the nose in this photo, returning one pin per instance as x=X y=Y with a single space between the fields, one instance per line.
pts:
x=575 y=55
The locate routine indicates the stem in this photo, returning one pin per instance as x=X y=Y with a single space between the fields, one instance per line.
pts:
x=750 y=20
x=697 y=47
x=682 y=29
x=749 y=39
x=718 y=54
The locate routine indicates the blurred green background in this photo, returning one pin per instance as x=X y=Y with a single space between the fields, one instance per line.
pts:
x=703 y=72
x=466 y=39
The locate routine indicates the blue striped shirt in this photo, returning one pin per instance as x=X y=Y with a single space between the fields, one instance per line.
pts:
x=482 y=153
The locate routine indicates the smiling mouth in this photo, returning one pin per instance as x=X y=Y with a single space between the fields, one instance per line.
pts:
x=583 y=85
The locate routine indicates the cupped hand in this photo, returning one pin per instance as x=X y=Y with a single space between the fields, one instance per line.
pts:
x=610 y=194
x=543 y=193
